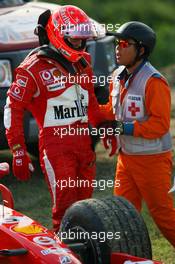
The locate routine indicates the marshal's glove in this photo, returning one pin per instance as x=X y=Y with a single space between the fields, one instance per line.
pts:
x=121 y=128
x=118 y=127
x=22 y=164
x=115 y=127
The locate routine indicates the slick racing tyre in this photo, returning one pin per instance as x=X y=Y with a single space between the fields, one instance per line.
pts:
x=104 y=226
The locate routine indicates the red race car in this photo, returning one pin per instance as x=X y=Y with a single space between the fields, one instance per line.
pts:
x=93 y=231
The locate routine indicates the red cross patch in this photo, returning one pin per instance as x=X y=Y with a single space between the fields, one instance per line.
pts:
x=133 y=109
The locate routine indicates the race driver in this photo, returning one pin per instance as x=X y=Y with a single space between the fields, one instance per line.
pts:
x=44 y=86
x=140 y=103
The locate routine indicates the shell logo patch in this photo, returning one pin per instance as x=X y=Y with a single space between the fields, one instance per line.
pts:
x=29 y=229
x=56 y=73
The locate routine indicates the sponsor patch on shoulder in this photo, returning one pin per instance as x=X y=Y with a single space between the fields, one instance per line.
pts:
x=17 y=92
x=55 y=86
x=51 y=76
x=21 y=80
x=46 y=77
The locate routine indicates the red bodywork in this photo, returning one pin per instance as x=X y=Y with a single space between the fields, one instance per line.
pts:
x=36 y=243
x=19 y=231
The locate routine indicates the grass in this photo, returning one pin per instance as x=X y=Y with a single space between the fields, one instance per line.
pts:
x=32 y=197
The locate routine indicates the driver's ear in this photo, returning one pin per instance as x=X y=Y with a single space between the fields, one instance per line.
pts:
x=142 y=51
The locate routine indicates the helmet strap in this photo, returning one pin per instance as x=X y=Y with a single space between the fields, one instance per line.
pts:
x=137 y=58
x=52 y=47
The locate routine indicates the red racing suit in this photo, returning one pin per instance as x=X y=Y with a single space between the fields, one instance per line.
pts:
x=61 y=105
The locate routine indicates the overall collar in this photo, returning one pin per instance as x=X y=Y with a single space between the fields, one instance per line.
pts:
x=126 y=78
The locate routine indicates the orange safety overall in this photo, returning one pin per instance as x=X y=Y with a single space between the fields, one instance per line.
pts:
x=148 y=177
